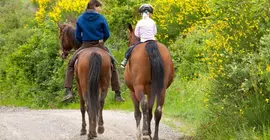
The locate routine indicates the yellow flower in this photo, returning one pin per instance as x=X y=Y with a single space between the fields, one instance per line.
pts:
x=241 y=111
x=268 y=68
x=61 y=6
x=266 y=100
x=25 y=26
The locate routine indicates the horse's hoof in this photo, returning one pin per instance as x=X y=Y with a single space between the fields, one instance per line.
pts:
x=146 y=138
x=90 y=137
x=155 y=138
x=83 y=132
x=94 y=134
x=145 y=133
x=100 y=129
x=138 y=136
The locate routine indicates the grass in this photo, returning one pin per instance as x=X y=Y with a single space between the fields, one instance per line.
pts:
x=13 y=102
x=185 y=103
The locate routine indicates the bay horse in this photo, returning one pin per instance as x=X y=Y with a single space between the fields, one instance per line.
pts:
x=93 y=76
x=148 y=73
x=67 y=39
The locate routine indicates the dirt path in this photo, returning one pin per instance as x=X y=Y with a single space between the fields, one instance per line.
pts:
x=25 y=124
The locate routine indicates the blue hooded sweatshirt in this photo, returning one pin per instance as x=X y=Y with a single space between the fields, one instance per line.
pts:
x=91 y=26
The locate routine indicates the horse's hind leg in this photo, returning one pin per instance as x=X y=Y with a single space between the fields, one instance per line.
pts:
x=82 y=106
x=92 y=126
x=143 y=102
x=151 y=100
x=100 y=120
x=137 y=114
x=144 y=107
x=158 y=113
x=92 y=123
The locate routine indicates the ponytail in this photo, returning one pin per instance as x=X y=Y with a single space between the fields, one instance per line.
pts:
x=145 y=15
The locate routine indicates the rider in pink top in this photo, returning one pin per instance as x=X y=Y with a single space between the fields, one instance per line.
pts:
x=145 y=29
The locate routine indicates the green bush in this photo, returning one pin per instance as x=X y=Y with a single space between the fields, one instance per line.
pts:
x=186 y=53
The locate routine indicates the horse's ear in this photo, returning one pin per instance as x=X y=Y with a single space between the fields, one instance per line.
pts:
x=58 y=24
x=71 y=20
x=130 y=27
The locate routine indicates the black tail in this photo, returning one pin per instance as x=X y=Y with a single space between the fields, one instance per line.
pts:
x=157 y=69
x=93 y=84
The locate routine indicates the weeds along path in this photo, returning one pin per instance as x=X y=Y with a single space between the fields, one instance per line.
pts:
x=25 y=124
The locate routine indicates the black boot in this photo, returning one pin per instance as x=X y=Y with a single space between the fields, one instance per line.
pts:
x=68 y=95
x=118 y=97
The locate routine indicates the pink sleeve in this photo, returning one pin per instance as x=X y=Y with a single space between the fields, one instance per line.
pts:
x=137 y=30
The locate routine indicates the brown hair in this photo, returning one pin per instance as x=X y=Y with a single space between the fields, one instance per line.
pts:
x=93 y=3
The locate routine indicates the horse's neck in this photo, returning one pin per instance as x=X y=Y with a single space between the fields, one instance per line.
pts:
x=75 y=44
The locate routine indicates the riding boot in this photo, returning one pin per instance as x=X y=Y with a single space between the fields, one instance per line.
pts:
x=68 y=81
x=68 y=95
x=118 y=97
x=115 y=84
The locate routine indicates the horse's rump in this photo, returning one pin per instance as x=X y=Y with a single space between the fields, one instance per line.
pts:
x=139 y=66
x=89 y=62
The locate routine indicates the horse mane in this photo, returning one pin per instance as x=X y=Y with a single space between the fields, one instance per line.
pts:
x=69 y=31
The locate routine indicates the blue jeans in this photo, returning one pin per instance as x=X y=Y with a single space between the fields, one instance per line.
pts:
x=130 y=49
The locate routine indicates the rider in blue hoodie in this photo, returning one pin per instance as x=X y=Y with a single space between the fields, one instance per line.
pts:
x=92 y=30
x=92 y=26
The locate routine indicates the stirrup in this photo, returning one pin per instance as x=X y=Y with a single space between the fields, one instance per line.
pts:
x=67 y=97
x=119 y=99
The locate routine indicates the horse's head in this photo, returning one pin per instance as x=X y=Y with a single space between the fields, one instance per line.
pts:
x=66 y=36
x=132 y=38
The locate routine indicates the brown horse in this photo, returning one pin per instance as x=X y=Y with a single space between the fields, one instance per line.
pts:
x=67 y=39
x=149 y=72
x=93 y=75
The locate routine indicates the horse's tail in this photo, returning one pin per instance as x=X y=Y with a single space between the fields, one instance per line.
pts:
x=157 y=69
x=93 y=84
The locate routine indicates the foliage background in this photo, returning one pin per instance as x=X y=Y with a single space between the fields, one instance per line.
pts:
x=221 y=51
